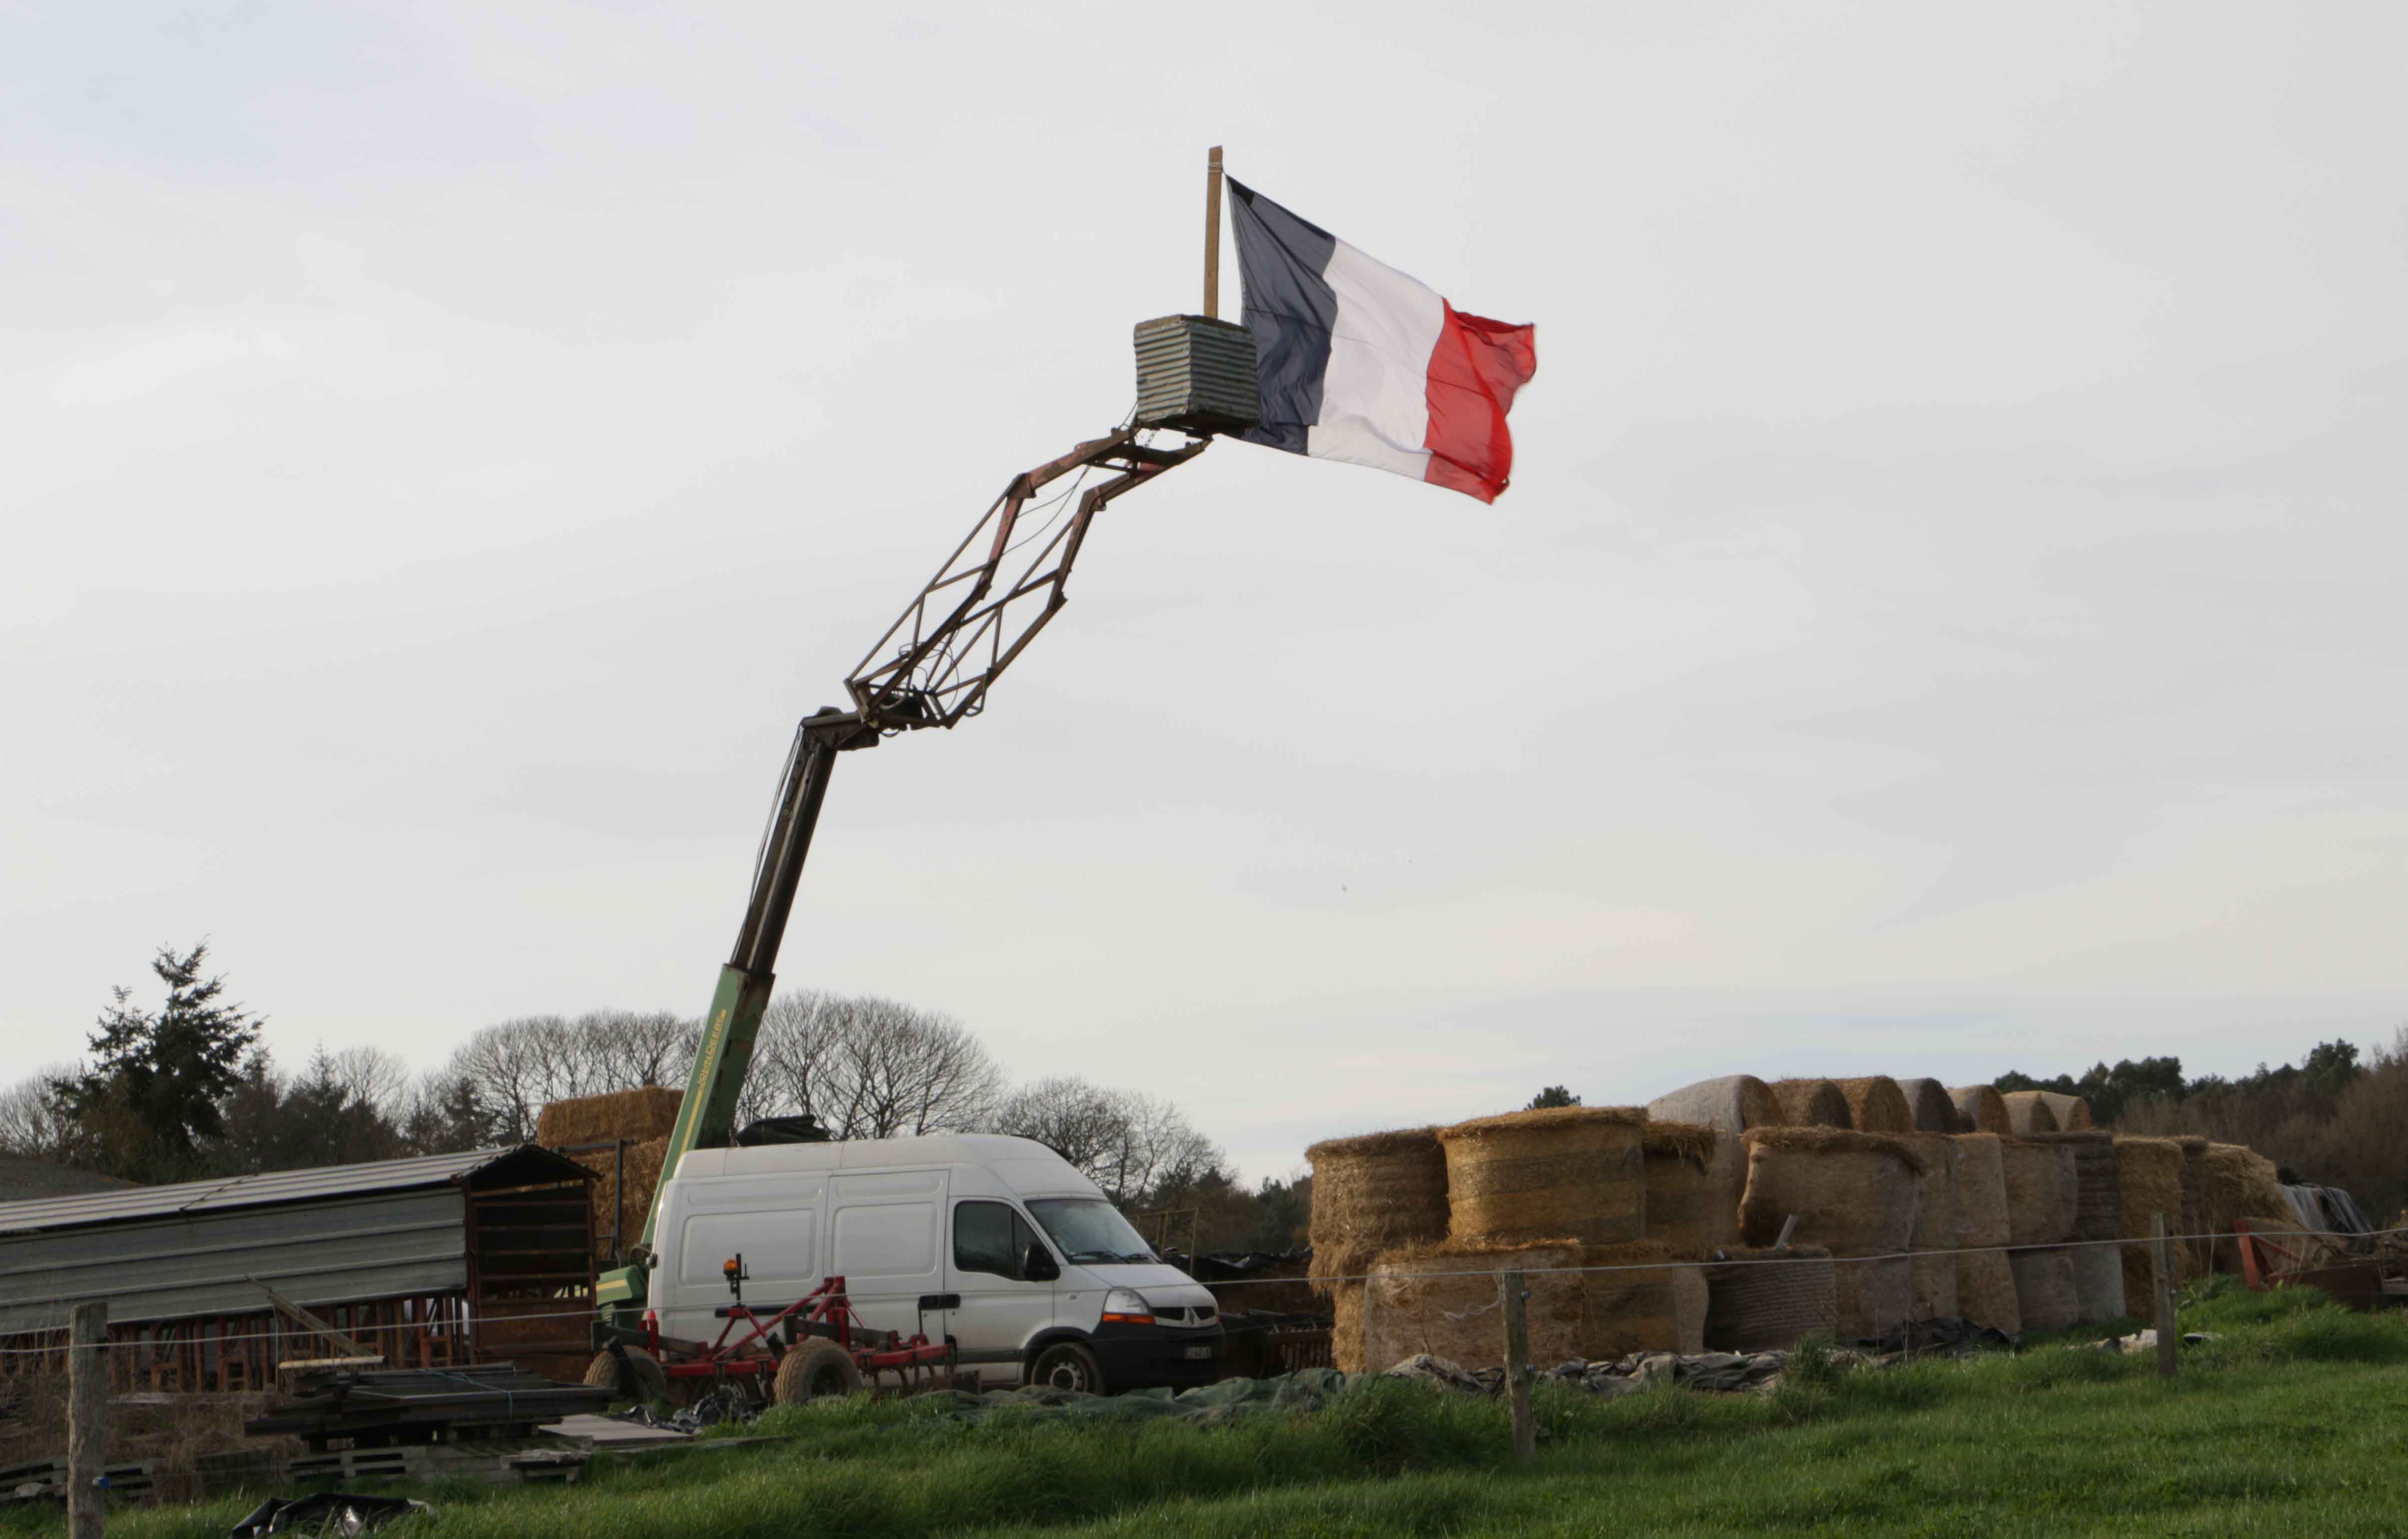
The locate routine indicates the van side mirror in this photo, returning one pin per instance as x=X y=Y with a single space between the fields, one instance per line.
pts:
x=1037 y=1264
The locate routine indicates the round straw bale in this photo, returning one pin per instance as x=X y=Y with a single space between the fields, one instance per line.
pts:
x=2042 y=1193
x=1764 y=1300
x=1733 y=1103
x=1444 y=1299
x=1379 y=1192
x=1977 y=1189
x=1875 y=1294
x=1852 y=1192
x=1696 y=1176
x=2099 y=1281
x=636 y=1115
x=2072 y=1112
x=1566 y=1172
x=2194 y=1251
x=2149 y=1172
x=1876 y=1104
x=2241 y=1184
x=2098 y=1195
x=1629 y=1306
x=1934 y=1109
x=2028 y=1112
x=1811 y=1104
x=1985 y=1291
x=1935 y=1226
x=2044 y=1290
x=1981 y=1108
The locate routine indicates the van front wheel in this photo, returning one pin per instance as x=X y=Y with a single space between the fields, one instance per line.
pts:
x=1068 y=1365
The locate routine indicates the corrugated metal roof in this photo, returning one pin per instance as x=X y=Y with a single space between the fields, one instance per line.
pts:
x=134 y=1204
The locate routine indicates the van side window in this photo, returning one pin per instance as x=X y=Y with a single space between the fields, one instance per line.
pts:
x=991 y=1237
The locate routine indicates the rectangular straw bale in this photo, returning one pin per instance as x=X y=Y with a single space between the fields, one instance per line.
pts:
x=1565 y=1173
x=1733 y=1103
x=1874 y=1294
x=1876 y=1104
x=1444 y=1301
x=635 y=1115
x=2099 y=1282
x=2044 y=1290
x=1696 y=1176
x=1852 y=1192
x=1371 y=1194
x=625 y=1211
x=2149 y=1175
x=1934 y=1109
x=2043 y=1196
x=1764 y=1301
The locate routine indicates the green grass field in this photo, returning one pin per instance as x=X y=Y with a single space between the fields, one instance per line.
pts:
x=2295 y=1422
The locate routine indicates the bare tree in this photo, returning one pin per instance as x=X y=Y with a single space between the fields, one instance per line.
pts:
x=31 y=1126
x=1127 y=1143
x=868 y=1067
x=372 y=1077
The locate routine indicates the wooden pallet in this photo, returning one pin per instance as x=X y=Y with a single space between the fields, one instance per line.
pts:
x=496 y=1461
x=47 y=1480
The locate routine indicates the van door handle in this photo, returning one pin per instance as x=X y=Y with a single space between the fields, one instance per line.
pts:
x=931 y=1302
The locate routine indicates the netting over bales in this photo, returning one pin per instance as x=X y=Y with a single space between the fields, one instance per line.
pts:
x=2098 y=1194
x=1733 y=1103
x=1380 y=1191
x=1565 y=1173
x=1767 y=1309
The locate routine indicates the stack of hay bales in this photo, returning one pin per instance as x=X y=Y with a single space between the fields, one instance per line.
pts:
x=1811 y=1104
x=1977 y=1189
x=1379 y=1192
x=1933 y=1269
x=1572 y=1173
x=1876 y=1104
x=1587 y=1302
x=1696 y=1176
x=2098 y=1215
x=1764 y=1300
x=1733 y=1103
x=2149 y=1171
x=2028 y=1112
x=1981 y=1109
x=1853 y=1194
x=2241 y=1184
x=1934 y=1108
x=2043 y=1203
x=643 y=1118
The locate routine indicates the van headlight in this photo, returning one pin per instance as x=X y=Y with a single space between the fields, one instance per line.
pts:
x=1126 y=1307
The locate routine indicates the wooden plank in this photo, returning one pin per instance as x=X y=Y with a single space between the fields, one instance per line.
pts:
x=1517 y=1367
x=2161 y=1257
x=87 y=1417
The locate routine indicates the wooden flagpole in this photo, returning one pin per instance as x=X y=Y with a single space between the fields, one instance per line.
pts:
x=1212 y=234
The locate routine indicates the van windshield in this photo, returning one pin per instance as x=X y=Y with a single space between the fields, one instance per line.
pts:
x=1088 y=1229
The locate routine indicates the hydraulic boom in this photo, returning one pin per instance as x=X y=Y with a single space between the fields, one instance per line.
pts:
x=932 y=668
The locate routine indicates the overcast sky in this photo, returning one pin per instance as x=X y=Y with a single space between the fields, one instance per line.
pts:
x=1947 y=616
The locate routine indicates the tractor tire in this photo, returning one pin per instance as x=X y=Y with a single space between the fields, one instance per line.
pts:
x=816 y=1367
x=641 y=1384
x=1068 y=1365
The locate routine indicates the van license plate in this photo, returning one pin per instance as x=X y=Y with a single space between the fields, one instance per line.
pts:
x=1200 y=1352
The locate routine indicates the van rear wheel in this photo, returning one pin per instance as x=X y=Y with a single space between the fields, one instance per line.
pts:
x=814 y=1368
x=1068 y=1365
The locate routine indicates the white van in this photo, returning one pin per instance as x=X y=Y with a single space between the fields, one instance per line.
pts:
x=996 y=1245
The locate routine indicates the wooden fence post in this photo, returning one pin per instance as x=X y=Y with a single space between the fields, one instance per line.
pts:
x=87 y=1417
x=2161 y=1256
x=1517 y=1368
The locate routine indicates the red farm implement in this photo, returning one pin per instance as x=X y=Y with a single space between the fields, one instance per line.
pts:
x=814 y=1347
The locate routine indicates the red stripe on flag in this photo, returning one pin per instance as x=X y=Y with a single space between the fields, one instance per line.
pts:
x=1474 y=370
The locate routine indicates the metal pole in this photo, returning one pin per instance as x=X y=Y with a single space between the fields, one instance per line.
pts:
x=2161 y=1252
x=1213 y=233
x=87 y=1417
x=1517 y=1368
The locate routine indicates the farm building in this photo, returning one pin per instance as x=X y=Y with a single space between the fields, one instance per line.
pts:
x=445 y=1259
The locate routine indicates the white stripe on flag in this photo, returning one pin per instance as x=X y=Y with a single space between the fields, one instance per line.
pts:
x=1375 y=393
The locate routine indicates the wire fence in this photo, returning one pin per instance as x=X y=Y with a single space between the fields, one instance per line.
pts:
x=462 y=1324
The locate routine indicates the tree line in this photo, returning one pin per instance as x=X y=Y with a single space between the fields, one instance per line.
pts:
x=187 y=1090
x=2330 y=1119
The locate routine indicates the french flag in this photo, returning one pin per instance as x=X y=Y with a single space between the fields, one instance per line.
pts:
x=1359 y=361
